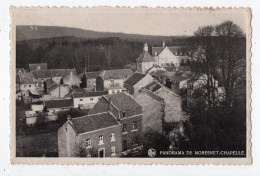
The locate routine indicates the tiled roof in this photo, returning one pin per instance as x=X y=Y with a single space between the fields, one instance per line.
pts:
x=145 y=57
x=62 y=72
x=135 y=78
x=179 y=49
x=58 y=103
x=89 y=94
x=38 y=66
x=93 y=122
x=116 y=74
x=154 y=86
x=158 y=73
x=122 y=101
x=41 y=73
x=89 y=75
x=26 y=78
x=152 y=95
x=180 y=76
x=52 y=87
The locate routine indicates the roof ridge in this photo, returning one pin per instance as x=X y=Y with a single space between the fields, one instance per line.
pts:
x=132 y=98
x=89 y=115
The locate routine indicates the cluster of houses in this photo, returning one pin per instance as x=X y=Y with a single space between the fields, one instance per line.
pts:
x=122 y=104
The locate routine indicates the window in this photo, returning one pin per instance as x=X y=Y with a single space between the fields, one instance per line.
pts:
x=100 y=140
x=29 y=85
x=88 y=143
x=113 y=150
x=124 y=128
x=81 y=99
x=134 y=126
x=134 y=140
x=113 y=136
x=124 y=114
x=91 y=99
x=118 y=91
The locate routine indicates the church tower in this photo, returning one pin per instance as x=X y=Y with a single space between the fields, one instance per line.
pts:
x=145 y=61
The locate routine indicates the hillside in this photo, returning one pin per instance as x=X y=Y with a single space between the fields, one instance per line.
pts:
x=39 y=32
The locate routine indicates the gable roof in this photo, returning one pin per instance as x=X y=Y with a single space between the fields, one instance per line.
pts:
x=89 y=75
x=135 y=78
x=122 y=101
x=38 y=66
x=152 y=95
x=181 y=50
x=153 y=86
x=41 y=73
x=89 y=94
x=93 y=122
x=62 y=72
x=116 y=74
x=26 y=78
x=180 y=76
x=145 y=57
x=58 y=103
x=52 y=87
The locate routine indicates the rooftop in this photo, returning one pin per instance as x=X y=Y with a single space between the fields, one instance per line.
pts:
x=41 y=73
x=145 y=57
x=122 y=101
x=181 y=50
x=89 y=94
x=153 y=86
x=58 y=103
x=38 y=66
x=93 y=122
x=116 y=74
x=89 y=75
x=135 y=78
x=152 y=95
x=26 y=78
x=63 y=72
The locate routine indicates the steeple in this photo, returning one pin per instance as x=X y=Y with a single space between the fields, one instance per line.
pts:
x=145 y=47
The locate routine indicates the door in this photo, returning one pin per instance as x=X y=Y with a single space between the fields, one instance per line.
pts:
x=124 y=145
x=101 y=153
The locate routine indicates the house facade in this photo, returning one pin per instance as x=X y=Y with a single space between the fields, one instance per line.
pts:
x=112 y=78
x=41 y=76
x=128 y=112
x=87 y=99
x=25 y=82
x=172 y=102
x=59 y=74
x=71 y=80
x=91 y=135
x=58 y=91
x=88 y=80
x=137 y=81
x=153 y=110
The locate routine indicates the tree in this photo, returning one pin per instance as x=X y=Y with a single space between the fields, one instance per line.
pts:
x=79 y=150
x=204 y=31
x=108 y=58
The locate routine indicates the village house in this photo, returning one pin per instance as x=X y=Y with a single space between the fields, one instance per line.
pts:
x=59 y=74
x=128 y=112
x=25 y=82
x=71 y=80
x=145 y=61
x=57 y=91
x=97 y=135
x=41 y=76
x=172 y=102
x=171 y=55
x=137 y=81
x=115 y=88
x=33 y=113
x=108 y=78
x=155 y=68
x=38 y=66
x=85 y=99
x=153 y=110
x=179 y=80
x=54 y=106
x=88 y=80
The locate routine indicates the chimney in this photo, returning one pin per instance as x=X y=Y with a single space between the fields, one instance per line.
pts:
x=145 y=47
x=68 y=117
x=163 y=44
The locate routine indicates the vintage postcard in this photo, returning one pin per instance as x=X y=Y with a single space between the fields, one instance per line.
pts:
x=124 y=85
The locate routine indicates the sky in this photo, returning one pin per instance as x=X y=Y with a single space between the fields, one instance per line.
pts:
x=159 y=21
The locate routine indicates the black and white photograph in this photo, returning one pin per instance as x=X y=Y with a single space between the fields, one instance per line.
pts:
x=128 y=83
